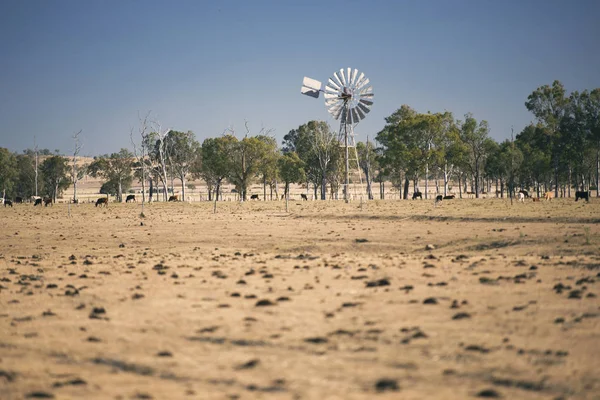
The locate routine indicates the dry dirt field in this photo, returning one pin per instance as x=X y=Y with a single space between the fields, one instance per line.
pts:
x=475 y=298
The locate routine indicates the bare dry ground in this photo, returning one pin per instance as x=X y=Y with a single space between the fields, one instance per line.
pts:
x=328 y=301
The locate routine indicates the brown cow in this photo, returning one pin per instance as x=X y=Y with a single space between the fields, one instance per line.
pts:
x=549 y=196
x=174 y=198
x=47 y=201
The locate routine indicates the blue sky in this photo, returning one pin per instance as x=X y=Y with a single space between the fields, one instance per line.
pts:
x=205 y=66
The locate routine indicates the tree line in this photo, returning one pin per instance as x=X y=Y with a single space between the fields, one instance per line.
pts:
x=560 y=151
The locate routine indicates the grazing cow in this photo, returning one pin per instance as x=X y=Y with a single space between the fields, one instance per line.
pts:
x=582 y=195
x=525 y=193
x=130 y=197
x=417 y=194
x=18 y=200
x=521 y=197
x=37 y=202
x=449 y=197
x=254 y=197
x=47 y=201
x=303 y=197
x=174 y=198
x=7 y=203
x=439 y=197
x=548 y=196
x=102 y=202
x=471 y=193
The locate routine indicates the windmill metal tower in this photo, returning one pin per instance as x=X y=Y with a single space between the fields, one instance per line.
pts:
x=348 y=97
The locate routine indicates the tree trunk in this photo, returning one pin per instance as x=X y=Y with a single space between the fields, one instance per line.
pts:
x=324 y=187
x=120 y=193
x=406 y=185
x=182 y=177
x=151 y=190
x=598 y=171
x=264 y=188
x=460 y=191
x=426 y=179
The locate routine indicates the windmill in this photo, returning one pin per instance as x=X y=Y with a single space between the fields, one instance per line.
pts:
x=348 y=98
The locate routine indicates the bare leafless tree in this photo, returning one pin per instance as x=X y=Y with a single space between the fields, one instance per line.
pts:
x=76 y=173
x=160 y=151
x=141 y=152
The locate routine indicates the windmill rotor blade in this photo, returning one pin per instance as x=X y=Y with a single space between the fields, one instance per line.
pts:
x=359 y=112
x=334 y=85
x=353 y=80
x=328 y=95
x=348 y=76
x=344 y=81
x=359 y=82
x=364 y=108
x=364 y=83
x=355 y=115
x=338 y=80
x=366 y=102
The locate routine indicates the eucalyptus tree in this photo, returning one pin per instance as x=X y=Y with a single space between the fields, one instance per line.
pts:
x=591 y=107
x=246 y=159
x=140 y=152
x=116 y=169
x=549 y=105
x=183 y=150
x=8 y=171
x=404 y=148
x=55 y=175
x=291 y=170
x=536 y=169
x=317 y=146
x=369 y=163
x=268 y=164
x=25 y=180
x=216 y=162
x=474 y=135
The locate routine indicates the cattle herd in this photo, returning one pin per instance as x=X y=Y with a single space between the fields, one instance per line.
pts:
x=521 y=195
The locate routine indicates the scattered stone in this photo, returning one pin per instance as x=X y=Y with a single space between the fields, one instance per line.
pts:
x=249 y=364
x=461 y=315
x=316 y=340
x=489 y=393
x=429 y=247
x=39 y=395
x=164 y=353
x=430 y=300
x=378 y=282
x=386 y=384
x=264 y=302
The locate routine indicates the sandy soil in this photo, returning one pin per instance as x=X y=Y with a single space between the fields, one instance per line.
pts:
x=328 y=301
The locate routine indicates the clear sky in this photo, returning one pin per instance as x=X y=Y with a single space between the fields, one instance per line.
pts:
x=204 y=66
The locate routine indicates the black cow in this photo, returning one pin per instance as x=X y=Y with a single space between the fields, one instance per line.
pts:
x=449 y=197
x=18 y=200
x=102 y=202
x=525 y=193
x=38 y=202
x=254 y=197
x=582 y=195
x=417 y=194
x=7 y=203
x=303 y=197
x=439 y=197
x=130 y=197
x=174 y=198
x=47 y=201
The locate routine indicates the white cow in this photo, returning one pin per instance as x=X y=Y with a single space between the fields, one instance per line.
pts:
x=521 y=197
